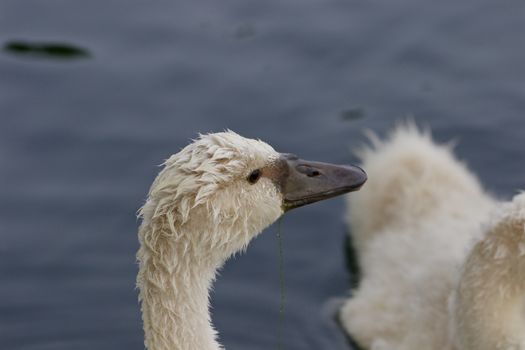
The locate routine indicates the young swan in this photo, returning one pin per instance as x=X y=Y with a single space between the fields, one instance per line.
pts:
x=437 y=272
x=207 y=203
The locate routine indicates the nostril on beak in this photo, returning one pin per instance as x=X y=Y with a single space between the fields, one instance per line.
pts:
x=308 y=170
x=313 y=173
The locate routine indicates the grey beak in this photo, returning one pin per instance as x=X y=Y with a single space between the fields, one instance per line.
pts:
x=309 y=182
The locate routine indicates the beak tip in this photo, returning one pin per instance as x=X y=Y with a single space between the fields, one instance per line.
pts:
x=362 y=177
x=356 y=177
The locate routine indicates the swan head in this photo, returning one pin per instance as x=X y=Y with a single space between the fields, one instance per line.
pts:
x=222 y=190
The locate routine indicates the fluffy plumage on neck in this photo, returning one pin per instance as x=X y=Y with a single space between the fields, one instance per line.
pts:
x=200 y=210
x=488 y=306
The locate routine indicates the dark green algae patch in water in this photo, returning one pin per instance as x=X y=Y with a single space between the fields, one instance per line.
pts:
x=51 y=50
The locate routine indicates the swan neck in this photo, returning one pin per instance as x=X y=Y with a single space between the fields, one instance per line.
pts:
x=174 y=294
x=491 y=295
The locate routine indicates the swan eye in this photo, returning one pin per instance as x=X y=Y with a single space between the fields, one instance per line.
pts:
x=254 y=176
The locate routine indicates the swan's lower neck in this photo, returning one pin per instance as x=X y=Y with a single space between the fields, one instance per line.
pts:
x=491 y=296
x=177 y=265
x=493 y=323
x=175 y=303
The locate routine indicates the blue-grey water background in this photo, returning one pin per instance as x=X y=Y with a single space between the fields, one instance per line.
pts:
x=80 y=140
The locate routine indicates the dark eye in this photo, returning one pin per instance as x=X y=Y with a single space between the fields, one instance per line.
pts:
x=254 y=176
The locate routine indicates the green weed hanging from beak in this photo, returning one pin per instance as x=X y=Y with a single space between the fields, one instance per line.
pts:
x=281 y=286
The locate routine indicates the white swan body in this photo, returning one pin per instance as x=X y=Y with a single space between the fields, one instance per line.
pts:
x=207 y=203
x=413 y=227
x=488 y=305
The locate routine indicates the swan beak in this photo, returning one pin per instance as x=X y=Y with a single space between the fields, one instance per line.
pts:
x=304 y=182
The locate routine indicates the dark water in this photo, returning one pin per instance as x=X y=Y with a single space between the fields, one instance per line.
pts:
x=80 y=138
